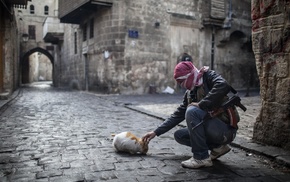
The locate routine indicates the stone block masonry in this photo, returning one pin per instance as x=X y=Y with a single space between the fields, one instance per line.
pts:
x=271 y=44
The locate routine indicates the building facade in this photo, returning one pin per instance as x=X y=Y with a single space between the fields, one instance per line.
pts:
x=129 y=47
x=39 y=24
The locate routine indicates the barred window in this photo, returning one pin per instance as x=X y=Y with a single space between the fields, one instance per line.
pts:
x=76 y=43
x=85 y=32
x=31 y=32
x=46 y=10
x=32 y=11
x=92 y=28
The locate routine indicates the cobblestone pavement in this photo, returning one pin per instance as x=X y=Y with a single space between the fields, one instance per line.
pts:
x=49 y=134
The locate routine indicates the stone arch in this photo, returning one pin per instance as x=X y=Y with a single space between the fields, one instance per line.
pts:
x=236 y=61
x=246 y=67
x=241 y=36
x=24 y=65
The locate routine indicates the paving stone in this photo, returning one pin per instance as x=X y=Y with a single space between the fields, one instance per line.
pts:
x=99 y=176
x=102 y=166
x=127 y=166
x=57 y=165
x=49 y=173
x=21 y=177
x=68 y=178
x=151 y=162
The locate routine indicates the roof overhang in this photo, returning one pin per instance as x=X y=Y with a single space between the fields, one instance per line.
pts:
x=213 y=22
x=76 y=15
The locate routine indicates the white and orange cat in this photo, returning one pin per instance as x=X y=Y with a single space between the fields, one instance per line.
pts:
x=128 y=142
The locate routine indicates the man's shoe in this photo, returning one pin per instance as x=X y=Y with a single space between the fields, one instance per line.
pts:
x=195 y=163
x=217 y=152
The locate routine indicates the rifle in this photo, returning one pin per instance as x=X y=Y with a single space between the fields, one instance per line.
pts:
x=227 y=106
x=234 y=101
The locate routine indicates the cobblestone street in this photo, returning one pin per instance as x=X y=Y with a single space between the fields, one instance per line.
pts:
x=49 y=134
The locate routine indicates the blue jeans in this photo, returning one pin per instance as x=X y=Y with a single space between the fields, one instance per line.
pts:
x=210 y=134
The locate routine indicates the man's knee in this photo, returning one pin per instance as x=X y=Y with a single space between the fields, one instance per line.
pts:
x=182 y=137
x=194 y=113
x=177 y=135
x=191 y=111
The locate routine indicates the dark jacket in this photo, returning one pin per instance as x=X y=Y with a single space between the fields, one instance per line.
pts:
x=215 y=88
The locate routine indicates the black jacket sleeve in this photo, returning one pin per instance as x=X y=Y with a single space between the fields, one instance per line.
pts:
x=177 y=117
x=218 y=88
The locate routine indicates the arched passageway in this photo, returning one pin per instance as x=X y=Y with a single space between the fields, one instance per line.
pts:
x=236 y=61
x=36 y=65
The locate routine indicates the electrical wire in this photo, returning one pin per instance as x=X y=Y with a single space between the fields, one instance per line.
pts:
x=6 y=7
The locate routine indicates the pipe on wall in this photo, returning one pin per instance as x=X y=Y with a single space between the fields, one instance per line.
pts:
x=212 y=47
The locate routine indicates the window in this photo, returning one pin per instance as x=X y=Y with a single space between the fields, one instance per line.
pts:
x=76 y=43
x=92 y=28
x=31 y=32
x=46 y=10
x=85 y=32
x=32 y=11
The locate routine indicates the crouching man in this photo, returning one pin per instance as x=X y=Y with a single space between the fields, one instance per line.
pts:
x=206 y=91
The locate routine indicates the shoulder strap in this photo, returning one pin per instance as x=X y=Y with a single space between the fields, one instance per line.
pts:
x=233 y=90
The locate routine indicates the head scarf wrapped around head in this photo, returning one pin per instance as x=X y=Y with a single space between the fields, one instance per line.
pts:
x=188 y=76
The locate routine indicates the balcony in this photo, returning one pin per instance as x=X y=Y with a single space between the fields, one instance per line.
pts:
x=80 y=9
x=217 y=14
x=53 y=30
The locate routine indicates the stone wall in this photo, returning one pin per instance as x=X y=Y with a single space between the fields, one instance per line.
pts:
x=10 y=57
x=116 y=60
x=70 y=66
x=271 y=44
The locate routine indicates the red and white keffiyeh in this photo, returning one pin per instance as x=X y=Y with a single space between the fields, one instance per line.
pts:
x=188 y=76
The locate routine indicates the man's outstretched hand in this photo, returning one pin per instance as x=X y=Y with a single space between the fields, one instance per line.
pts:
x=148 y=136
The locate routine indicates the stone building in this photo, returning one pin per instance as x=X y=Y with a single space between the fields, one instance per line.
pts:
x=271 y=44
x=9 y=47
x=129 y=47
x=38 y=23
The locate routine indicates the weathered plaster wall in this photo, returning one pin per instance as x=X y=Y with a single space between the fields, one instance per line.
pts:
x=271 y=44
x=45 y=68
x=40 y=68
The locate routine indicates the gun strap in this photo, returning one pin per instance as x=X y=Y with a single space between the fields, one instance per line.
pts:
x=233 y=118
x=233 y=90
